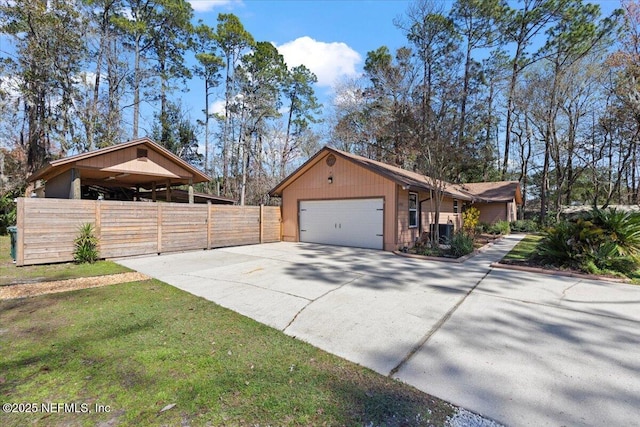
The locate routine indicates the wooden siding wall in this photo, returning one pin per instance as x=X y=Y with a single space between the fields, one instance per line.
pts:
x=407 y=236
x=349 y=181
x=491 y=213
x=127 y=161
x=47 y=227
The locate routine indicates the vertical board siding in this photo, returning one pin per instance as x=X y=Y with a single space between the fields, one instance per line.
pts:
x=48 y=227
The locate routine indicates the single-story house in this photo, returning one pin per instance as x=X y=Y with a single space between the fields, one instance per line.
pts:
x=121 y=172
x=344 y=199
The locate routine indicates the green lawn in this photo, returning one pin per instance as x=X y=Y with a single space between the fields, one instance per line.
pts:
x=525 y=249
x=139 y=347
x=10 y=274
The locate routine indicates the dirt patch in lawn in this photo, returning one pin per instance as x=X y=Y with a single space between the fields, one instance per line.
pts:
x=33 y=289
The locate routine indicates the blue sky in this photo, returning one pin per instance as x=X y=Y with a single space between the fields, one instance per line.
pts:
x=331 y=37
x=328 y=27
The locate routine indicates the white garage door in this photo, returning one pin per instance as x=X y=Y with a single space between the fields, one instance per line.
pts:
x=347 y=222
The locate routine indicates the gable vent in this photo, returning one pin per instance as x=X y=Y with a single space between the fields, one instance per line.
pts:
x=142 y=154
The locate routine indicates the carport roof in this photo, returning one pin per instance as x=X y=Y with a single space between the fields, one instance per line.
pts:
x=117 y=165
x=403 y=177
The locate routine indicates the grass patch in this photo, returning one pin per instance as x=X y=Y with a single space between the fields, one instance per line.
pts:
x=139 y=347
x=525 y=249
x=10 y=274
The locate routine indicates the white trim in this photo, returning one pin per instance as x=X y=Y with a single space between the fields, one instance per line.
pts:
x=415 y=209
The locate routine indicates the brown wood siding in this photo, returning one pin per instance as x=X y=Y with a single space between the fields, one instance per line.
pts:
x=490 y=213
x=235 y=225
x=407 y=236
x=184 y=227
x=59 y=186
x=349 y=181
x=127 y=228
x=271 y=224
x=126 y=161
x=47 y=227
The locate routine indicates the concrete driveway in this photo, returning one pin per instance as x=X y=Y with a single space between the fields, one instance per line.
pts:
x=520 y=348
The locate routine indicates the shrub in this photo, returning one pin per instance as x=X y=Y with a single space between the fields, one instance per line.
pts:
x=461 y=244
x=558 y=246
x=500 y=227
x=596 y=241
x=524 y=226
x=86 y=245
x=482 y=227
x=7 y=211
x=470 y=220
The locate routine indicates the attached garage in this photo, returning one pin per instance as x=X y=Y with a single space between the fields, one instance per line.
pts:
x=344 y=222
x=339 y=198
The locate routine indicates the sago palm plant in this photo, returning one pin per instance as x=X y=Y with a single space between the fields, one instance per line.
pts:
x=596 y=241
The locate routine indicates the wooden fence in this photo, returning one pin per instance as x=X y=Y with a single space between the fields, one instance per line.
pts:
x=48 y=227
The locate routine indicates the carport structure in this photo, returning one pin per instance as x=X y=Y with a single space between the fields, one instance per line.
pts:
x=118 y=172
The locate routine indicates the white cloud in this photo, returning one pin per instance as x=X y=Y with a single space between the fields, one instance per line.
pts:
x=216 y=107
x=10 y=85
x=328 y=61
x=209 y=5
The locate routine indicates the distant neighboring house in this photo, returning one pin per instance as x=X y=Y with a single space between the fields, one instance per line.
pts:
x=343 y=199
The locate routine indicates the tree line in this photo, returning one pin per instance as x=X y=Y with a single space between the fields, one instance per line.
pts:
x=540 y=91
x=81 y=75
x=544 y=92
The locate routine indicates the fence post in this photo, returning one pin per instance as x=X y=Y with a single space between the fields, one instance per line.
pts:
x=98 y=224
x=159 y=228
x=209 y=217
x=21 y=230
x=261 y=223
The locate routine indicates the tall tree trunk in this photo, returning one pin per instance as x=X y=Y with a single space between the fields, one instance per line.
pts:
x=136 y=88
x=464 y=97
x=509 y=123
x=549 y=134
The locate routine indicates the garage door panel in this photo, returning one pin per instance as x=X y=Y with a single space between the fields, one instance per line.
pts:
x=347 y=222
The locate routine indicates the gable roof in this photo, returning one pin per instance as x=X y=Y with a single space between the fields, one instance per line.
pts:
x=403 y=177
x=186 y=171
x=500 y=191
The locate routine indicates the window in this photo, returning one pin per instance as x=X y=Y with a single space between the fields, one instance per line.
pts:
x=142 y=154
x=413 y=210
x=455 y=205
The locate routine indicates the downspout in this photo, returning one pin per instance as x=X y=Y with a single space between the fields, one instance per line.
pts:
x=420 y=214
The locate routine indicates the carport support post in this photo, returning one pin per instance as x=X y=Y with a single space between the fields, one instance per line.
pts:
x=190 y=191
x=168 y=191
x=75 y=192
x=153 y=191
